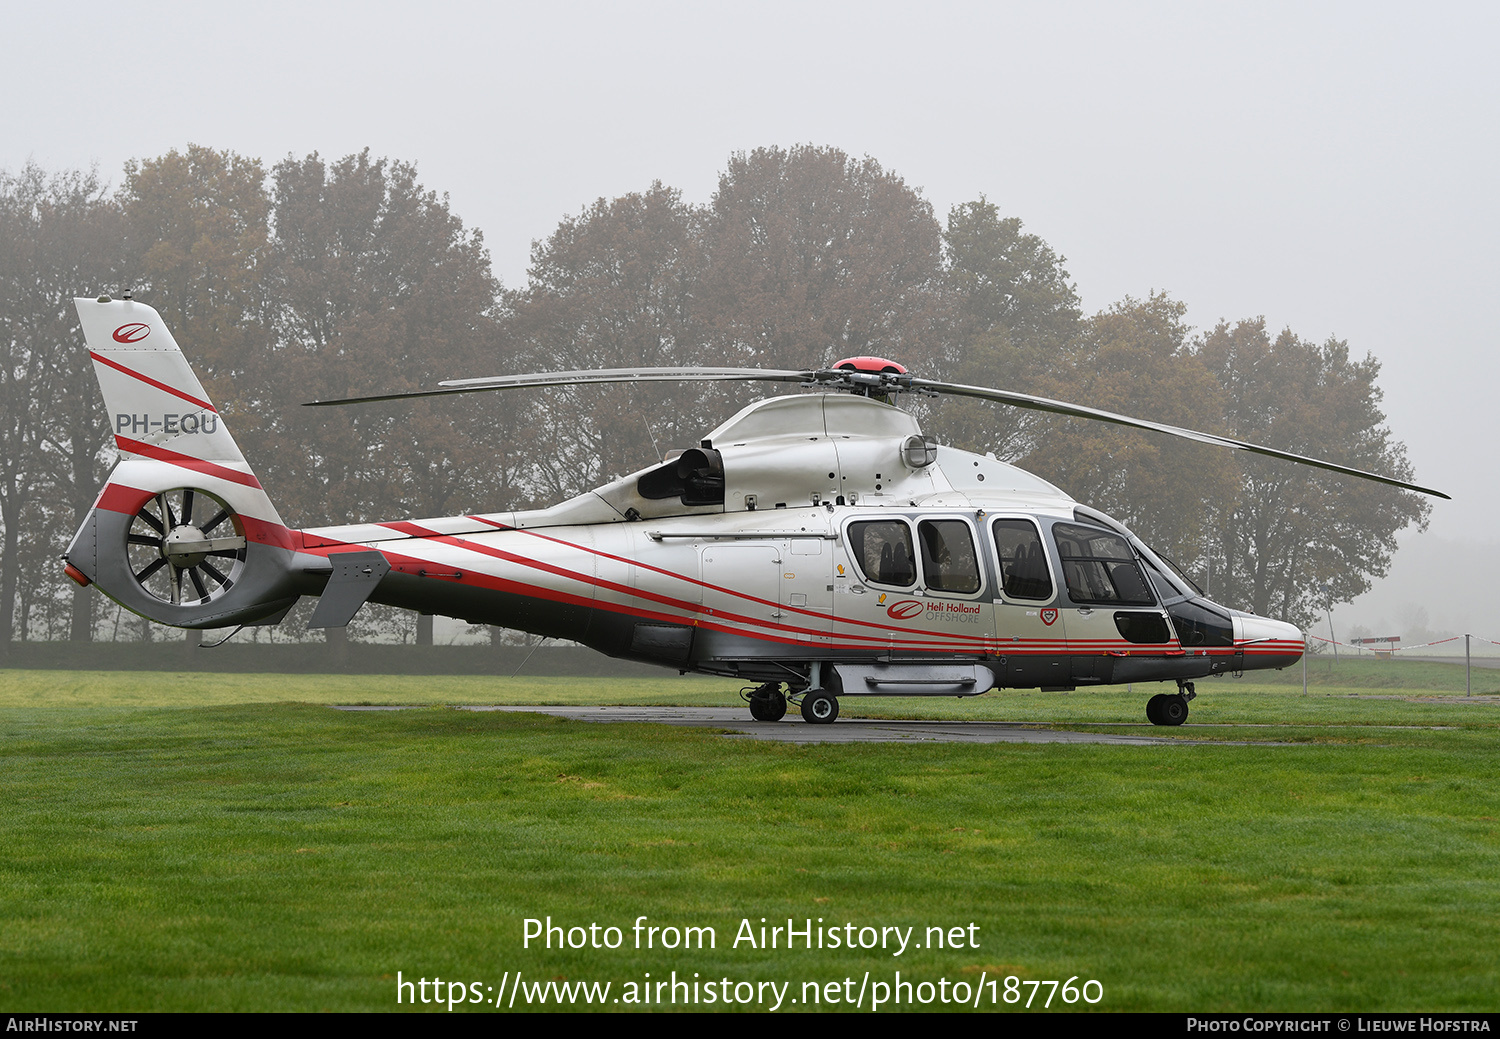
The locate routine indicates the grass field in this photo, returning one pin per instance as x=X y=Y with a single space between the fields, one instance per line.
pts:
x=227 y=842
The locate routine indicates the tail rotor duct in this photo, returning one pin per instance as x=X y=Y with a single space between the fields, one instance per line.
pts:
x=186 y=547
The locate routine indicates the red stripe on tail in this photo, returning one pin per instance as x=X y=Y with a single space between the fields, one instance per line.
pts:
x=152 y=382
x=161 y=454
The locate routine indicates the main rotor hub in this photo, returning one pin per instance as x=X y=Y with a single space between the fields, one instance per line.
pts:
x=876 y=377
x=873 y=365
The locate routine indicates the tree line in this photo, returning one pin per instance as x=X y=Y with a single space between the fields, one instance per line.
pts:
x=318 y=279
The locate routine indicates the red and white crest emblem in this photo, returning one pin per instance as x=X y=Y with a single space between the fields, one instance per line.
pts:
x=1048 y=616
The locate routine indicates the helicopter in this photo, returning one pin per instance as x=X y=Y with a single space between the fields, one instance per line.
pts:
x=815 y=546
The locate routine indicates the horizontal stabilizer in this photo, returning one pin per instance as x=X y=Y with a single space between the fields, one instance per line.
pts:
x=354 y=577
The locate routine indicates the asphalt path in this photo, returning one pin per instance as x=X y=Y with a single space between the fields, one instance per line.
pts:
x=735 y=723
x=792 y=729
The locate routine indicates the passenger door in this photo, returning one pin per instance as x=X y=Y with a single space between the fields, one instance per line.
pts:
x=953 y=584
x=1030 y=644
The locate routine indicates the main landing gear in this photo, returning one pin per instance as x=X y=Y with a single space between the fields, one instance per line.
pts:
x=1170 y=708
x=767 y=703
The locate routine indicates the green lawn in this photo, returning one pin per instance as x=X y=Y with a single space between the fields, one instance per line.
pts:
x=194 y=842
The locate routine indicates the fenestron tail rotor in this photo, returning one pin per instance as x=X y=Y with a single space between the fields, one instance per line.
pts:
x=186 y=547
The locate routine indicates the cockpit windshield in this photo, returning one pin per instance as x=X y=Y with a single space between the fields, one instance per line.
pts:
x=1180 y=573
x=1165 y=589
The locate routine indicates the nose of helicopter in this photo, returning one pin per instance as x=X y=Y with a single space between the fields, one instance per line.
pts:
x=1268 y=643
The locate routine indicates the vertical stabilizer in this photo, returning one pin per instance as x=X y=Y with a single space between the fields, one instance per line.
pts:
x=182 y=532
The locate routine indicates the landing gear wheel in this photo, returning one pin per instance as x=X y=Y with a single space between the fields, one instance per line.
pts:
x=768 y=704
x=819 y=707
x=1153 y=709
x=1173 y=710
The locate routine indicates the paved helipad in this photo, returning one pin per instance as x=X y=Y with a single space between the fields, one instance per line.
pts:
x=792 y=729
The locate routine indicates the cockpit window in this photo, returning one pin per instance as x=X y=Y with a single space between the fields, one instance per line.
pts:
x=1099 y=567
x=948 y=558
x=1180 y=572
x=1197 y=625
x=1165 y=589
x=1023 y=563
x=883 y=552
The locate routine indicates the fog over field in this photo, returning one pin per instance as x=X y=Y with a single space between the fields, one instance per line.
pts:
x=1329 y=166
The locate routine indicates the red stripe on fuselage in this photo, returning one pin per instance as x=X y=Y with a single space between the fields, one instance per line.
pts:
x=521 y=589
x=697 y=614
x=700 y=615
x=886 y=628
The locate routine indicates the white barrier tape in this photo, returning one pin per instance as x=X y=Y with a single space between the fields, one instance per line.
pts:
x=1398 y=649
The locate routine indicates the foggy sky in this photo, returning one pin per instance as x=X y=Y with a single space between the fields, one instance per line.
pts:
x=1330 y=167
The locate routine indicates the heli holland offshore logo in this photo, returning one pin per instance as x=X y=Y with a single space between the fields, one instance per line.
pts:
x=1048 y=616
x=132 y=333
x=904 y=610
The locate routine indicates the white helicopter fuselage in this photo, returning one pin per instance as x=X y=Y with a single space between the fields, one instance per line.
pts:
x=816 y=540
x=767 y=591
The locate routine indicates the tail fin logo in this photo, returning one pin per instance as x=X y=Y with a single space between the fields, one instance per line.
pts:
x=132 y=333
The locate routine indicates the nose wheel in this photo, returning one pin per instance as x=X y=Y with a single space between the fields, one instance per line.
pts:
x=819 y=707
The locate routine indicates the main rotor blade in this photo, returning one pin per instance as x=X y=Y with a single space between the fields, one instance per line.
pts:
x=1057 y=407
x=866 y=382
x=596 y=376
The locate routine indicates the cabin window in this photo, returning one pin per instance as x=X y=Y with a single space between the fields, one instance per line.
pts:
x=1023 y=563
x=883 y=552
x=948 y=558
x=1099 y=567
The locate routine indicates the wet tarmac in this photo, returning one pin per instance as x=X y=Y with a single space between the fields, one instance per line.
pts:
x=792 y=729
